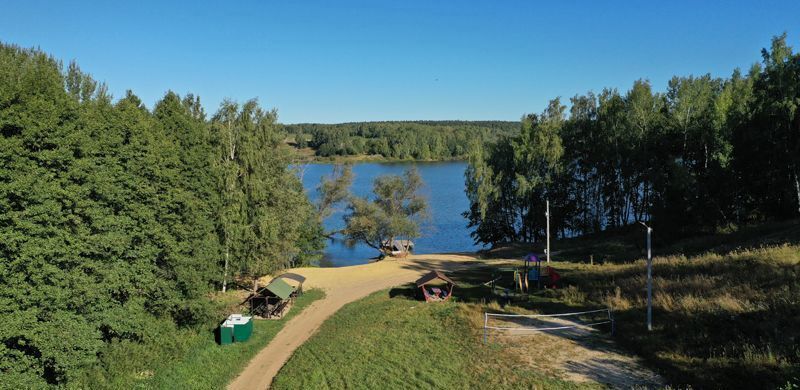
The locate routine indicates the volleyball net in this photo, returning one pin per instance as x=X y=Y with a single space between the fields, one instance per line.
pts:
x=523 y=323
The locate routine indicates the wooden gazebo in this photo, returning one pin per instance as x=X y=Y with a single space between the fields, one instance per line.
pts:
x=274 y=299
x=429 y=282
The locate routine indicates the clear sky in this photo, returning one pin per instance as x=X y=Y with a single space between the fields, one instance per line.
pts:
x=338 y=61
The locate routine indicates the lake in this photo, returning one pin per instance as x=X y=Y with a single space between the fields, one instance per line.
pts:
x=444 y=231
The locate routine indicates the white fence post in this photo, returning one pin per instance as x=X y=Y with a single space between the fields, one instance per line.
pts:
x=485 y=323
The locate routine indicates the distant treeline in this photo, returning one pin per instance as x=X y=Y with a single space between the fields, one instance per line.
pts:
x=706 y=154
x=417 y=140
x=117 y=222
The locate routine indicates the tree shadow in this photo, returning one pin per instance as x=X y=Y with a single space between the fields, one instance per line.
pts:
x=627 y=243
x=293 y=276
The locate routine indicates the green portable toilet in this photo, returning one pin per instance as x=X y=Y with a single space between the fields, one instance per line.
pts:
x=242 y=327
x=225 y=333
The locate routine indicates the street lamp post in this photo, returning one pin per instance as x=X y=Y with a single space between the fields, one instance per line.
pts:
x=649 y=277
x=547 y=214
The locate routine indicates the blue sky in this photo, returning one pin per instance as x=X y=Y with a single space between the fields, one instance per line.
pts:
x=349 y=60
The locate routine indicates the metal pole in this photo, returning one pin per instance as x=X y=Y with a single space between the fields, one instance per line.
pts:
x=613 y=324
x=649 y=280
x=485 y=323
x=547 y=214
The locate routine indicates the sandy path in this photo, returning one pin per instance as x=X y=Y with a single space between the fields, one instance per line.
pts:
x=341 y=285
x=579 y=354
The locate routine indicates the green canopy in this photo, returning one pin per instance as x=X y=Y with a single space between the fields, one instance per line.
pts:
x=280 y=288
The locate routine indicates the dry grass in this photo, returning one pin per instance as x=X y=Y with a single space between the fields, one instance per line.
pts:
x=721 y=320
x=579 y=355
x=726 y=306
x=572 y=295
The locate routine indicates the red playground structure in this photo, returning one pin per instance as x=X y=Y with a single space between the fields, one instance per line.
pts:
x=550 y=277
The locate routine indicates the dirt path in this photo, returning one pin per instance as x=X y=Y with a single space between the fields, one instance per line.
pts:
x=341 y=285
x=579 y=354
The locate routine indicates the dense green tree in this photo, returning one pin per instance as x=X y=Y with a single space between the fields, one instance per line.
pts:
x=509 y=183
x=265 y=214
x=114 y=219
x=227 y=134
x=490 y=187
x=275 y=202
x=183 y=123
x=96 y=242
x=418 y=140
x=767 y=146
x=705 y=154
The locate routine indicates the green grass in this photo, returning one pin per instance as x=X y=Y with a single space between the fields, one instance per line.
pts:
x=187 y=359
x=392 y=341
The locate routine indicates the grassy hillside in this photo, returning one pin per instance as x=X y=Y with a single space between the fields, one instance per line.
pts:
x=404 y=343
x=628 y=244
x=726 y=306
x=720 y=320
x=726 y=315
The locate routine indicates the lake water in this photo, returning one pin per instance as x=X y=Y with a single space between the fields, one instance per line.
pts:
x=444 y=231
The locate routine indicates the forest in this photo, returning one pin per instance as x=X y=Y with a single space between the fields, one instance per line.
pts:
x=399 y=140
x=117 y=223
x=707 y=154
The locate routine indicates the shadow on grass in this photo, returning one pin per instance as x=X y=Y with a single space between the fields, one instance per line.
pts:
x=627 y=243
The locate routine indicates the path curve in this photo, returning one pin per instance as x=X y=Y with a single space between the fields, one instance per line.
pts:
x=341 y=285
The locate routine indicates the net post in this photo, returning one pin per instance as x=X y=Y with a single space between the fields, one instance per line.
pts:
x=485 y=324
x=613 y=322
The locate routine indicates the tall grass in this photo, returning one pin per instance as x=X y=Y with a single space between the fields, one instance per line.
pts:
x=727 y=320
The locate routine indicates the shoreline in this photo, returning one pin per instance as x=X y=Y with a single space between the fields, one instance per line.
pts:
x=369 y=159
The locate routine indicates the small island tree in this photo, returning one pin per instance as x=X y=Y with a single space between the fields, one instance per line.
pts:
x=395 y=211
